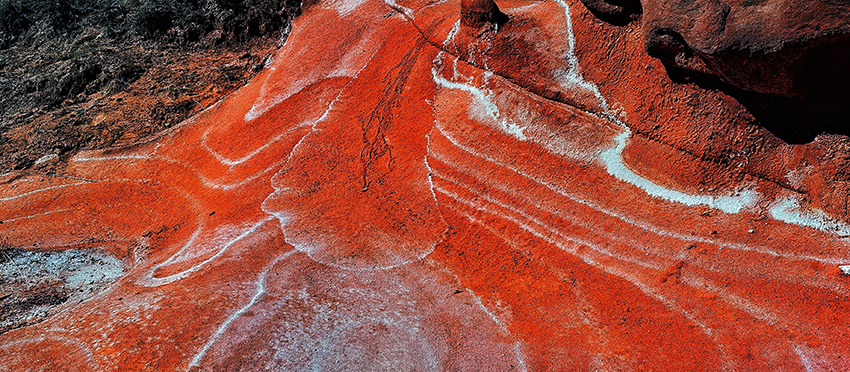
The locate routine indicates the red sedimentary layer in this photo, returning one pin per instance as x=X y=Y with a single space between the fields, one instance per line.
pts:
x=398 y=190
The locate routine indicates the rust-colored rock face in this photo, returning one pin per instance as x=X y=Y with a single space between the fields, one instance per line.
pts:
x=401 y=189
x=478 y=13
x=758 y=46
x=785 y=60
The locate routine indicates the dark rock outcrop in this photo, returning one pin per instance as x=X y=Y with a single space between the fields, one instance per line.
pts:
x=787 y=62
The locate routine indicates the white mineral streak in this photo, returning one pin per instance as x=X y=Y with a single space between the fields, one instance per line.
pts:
x=789 y=210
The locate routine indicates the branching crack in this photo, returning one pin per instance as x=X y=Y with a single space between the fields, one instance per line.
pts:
x=375 y=146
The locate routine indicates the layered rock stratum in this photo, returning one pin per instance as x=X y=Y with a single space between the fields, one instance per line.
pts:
x=451 y=185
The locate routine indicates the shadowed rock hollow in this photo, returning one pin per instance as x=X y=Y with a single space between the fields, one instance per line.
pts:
x=450 y=186
x=785 y=61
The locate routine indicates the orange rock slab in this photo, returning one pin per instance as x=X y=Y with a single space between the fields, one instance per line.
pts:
x=399 y=191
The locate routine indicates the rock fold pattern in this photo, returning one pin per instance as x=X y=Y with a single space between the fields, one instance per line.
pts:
x=402 y=190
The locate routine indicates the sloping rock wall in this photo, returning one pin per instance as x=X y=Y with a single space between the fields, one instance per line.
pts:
x=401 y=189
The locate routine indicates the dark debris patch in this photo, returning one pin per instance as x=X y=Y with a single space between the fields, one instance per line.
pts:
x=80 y=74
x=34 y=284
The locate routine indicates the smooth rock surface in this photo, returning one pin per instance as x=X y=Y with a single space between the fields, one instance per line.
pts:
x=400 y=191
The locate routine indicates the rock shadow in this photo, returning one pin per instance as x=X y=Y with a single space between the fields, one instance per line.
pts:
x=822 y=107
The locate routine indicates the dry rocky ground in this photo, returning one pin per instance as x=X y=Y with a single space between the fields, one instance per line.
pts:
x=95 y=73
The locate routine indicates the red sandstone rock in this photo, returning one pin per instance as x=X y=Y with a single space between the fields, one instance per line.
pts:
x=785 y=61
x=415 y=196
x=478 y=13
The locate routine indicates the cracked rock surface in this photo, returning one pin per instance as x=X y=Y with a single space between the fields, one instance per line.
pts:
x=425 y=193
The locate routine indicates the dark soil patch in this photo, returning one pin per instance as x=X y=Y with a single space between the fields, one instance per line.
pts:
x=97 y=73
x=35 y=285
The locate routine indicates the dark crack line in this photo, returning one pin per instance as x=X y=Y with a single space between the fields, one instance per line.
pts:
x=64 y=176
x=601 y=116
x=505 y=78
x=376 y=147
x=709 y=159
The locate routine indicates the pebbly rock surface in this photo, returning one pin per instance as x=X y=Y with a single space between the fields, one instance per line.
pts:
x=93 y=74
x=427 y=186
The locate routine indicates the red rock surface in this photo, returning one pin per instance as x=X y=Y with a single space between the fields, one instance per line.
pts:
x=400 y=190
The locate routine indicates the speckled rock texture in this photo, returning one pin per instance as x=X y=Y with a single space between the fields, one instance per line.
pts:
x=460 y=185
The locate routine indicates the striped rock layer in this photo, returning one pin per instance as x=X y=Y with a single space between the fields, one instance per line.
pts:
x=401 y=190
